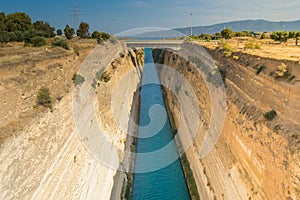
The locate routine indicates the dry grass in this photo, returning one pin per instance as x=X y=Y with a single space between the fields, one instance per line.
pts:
x=268 y=48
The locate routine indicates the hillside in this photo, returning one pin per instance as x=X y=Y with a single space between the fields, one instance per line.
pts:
x=250 y=25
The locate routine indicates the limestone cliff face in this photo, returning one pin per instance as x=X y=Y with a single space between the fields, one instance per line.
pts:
x=254 y=158
x=41 y=154
x=115 y=96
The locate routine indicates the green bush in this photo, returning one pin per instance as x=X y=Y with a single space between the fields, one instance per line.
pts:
x=60 y=42
x=251 y=45
x=100 y=36
x=280 y=36
x=270 y=115
x=236 y=57
x=78 y=79
x=227 y=33
x=105 y=77
x=260 y=69
x=38 y=41
x=228 y=50
x=44 y=98
x=4 y=37
x=122 y=55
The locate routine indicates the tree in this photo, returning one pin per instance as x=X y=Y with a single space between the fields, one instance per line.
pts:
x=27 y=35
x=270 y=115
x=204 y=36
x=38 y=41
x=295 y=35
x=44 y=98
x=83 y=31
x=96 y=35
x=4 y=37
x=105 y=36
x=59 y=32
x=60 y=42
x=263 y=36
x=227 y=33
x=44 y=29
x=280 y=36
x=18 y=22
x=292 y=34
x=2 y=22
x=100 y=36
x=69 y=32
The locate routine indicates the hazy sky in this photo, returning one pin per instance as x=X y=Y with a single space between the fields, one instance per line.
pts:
x=152 y=13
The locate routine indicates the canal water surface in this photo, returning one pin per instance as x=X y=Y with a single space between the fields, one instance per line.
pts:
x=157 y=175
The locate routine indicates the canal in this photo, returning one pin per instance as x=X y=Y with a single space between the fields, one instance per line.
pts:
x=157 y=175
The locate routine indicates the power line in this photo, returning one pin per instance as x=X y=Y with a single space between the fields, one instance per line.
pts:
x=76 y=17
x=71 y=20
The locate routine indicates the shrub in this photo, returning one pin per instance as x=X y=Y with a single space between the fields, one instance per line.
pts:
x=280 y=36
x=60 y=42
x=43 y=97
x=236 y=58
x=38 y=41
x=228 y=50
x=99 y=74
x=105 y=77
x=270 y=115
x=251 y=45
x=260 y=69
x=78 y=79
x=27 y=35
x=100 y=36
x=59 y=32
x=19 y=36
x=281 y=71
x=4 y=37
x=122 y=55
x=291 y=78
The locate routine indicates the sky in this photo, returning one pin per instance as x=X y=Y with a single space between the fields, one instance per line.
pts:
x=115 y=16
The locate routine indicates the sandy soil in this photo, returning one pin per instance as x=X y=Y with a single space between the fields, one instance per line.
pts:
x=268 y=48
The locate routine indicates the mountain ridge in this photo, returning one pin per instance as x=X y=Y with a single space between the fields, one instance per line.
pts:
x=259 y=25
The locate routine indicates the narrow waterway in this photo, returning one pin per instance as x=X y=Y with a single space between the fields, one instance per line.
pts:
x=154 y=179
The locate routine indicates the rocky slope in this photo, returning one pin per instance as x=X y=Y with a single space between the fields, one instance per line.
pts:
x=254 y=158
x=41 y=154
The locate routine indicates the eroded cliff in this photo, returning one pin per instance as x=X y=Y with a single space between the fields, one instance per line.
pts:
x=41 y=154
x=254 y=158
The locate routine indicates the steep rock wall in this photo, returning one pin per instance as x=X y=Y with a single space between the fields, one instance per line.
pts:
x=42 y=156
x=254 y=158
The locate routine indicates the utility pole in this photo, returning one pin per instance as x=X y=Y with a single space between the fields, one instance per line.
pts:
x=191 y=24
x=75 y=17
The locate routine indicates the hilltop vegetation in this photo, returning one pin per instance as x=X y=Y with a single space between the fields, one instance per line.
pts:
x=280 y=36
x=19 y=27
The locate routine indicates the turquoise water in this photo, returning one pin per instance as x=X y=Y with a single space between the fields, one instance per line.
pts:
x=156 y=175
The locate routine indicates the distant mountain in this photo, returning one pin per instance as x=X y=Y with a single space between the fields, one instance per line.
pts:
x=249 y=25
